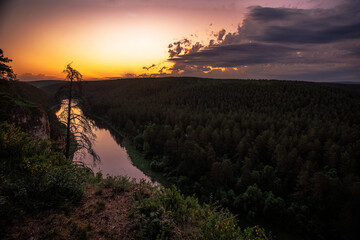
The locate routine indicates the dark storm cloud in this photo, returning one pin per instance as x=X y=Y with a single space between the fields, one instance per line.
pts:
x=295 y=37
x=284 y=25
x=270 y=14
x=305 y=35
x=307 y=26
x=241 y=54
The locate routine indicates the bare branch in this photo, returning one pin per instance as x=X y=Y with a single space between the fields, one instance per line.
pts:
x=76 y=124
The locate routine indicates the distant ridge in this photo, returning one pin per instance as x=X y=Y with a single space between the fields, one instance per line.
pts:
x=345 y=82
x=351 y=86
x=43 y=83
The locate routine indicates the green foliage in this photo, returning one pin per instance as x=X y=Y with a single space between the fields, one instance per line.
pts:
x=63 y=183
x=293 y=143
x=34 y=176
x=218 y=224
x=150 y=214
x=168 y=214
x=117 y=183
x=13 y=142
x=255 y=233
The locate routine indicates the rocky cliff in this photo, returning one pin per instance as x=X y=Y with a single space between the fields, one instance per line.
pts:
x=28 y=108
x=34 y=121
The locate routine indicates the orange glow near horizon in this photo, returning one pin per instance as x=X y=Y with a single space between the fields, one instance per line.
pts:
x=99 y=51
x=100 y=42
x=115 y=38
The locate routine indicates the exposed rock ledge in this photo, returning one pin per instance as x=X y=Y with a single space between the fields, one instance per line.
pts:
x=34 y=121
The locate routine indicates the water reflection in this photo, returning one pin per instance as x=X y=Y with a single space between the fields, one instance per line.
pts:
x=117 y=137
x=114 y=158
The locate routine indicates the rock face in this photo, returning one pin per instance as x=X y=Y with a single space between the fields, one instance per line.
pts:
x=34 y=121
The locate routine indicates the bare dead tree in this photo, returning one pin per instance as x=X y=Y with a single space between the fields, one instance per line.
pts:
x=77 y=125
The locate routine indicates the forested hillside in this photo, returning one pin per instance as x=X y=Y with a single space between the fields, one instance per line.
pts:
x=43 y=195
x=282 y=153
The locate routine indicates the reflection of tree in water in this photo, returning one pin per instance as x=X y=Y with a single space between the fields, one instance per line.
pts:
x=81 y=129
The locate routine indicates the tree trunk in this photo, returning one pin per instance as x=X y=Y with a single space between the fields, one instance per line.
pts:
x=67 y=153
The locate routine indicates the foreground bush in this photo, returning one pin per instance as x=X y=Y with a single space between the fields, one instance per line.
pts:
x=164 y=213
x=33 y=176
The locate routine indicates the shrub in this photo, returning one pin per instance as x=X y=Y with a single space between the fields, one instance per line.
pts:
x=255 y=233
x=118 y=183
x=218 y=224
x=34 y=176
x=168 y=214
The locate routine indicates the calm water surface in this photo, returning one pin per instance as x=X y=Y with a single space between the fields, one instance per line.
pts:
x=114 y=158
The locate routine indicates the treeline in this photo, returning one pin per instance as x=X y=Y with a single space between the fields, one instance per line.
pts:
x=284 y=153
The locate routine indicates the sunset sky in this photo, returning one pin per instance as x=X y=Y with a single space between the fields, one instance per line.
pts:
x=312 y=40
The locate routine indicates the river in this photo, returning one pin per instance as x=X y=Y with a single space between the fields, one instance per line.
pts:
x=114 y=159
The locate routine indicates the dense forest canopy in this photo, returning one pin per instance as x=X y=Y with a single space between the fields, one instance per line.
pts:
x=284 y=153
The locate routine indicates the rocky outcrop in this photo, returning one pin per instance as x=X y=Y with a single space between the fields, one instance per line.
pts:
x=33 y=120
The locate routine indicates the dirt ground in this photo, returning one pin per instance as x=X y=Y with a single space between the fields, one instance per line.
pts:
x=100 y=215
